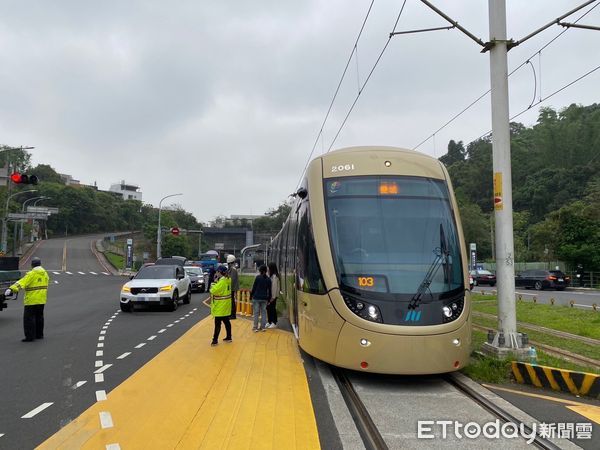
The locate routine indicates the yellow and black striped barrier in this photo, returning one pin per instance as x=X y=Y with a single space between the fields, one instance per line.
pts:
x=578 y=383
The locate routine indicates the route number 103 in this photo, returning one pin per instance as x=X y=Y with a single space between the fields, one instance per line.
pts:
x=342 y=168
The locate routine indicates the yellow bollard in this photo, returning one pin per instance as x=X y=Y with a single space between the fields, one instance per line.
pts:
x=534 y=299
x=238 y=305
x=552 y=301
x=595 y=306
x=572 y=303
x=520 y=298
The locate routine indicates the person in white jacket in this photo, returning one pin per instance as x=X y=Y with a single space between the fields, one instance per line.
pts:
x=272 y=303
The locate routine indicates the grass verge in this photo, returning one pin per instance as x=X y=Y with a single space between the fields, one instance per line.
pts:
x=562 y=318
x=117 y=261
x=483 y=368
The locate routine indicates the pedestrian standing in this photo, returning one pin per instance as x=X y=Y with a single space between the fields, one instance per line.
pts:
x=220 y=304
x=272 y=303
x=235 y=284
x=35 y=284
x=260 y=295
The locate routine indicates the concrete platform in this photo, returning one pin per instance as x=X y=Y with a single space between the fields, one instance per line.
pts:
x=251 y=393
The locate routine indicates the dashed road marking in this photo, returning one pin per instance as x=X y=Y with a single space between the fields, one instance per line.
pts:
x=55 y=282
x=99 y=353
x=79 y=384
x=105 y=327
x=99 y=363
x=170 y=325
x=124 y=355
x=140 y=345
x=99 y=377
x=103 y=332
x=1 y=434
x=103 y=368
x=100 y=396
x=93 y=273
x=100 y=338
x=105 y=273
x=162 y=331
x=56 y=273
x=106 y=420
x=70 y=273
x=100 y=344
x=36 y=411
x=177 y=321
x=151 y=338
x=81 y=273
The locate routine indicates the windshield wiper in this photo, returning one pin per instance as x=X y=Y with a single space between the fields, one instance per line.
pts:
x=441 y=257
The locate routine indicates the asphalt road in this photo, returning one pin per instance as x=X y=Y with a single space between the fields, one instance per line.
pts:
x=582 y=298
x=89 y=348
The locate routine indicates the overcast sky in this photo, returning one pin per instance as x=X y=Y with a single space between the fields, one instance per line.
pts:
x=222 y=101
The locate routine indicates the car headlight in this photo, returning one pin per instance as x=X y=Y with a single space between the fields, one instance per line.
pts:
x=125 y=289
x=168 y=287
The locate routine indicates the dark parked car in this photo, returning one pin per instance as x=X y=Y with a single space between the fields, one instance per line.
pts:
x=196 y=277
x=171 y=261
x=483 y=277
x=542 y=279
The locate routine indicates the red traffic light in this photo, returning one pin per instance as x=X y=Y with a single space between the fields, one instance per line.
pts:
x=175 y=231
x=21 y=178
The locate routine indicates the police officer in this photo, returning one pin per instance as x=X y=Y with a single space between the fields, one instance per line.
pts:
x=35 y=284
x=235 y=283
x=220 y=304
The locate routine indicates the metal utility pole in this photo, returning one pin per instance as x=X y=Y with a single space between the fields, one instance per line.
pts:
x=507 y=336
x=158 y=233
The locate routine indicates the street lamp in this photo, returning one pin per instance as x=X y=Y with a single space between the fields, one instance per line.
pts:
x=5 y=219
x=158 y=238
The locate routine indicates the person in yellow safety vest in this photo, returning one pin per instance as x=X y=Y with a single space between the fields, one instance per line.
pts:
x=220 y=304
x=35 y=284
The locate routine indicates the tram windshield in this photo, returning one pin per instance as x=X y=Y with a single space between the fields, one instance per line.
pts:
x=390 y=235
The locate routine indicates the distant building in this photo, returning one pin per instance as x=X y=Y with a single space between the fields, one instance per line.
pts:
x=129 y=191
x=69 y=180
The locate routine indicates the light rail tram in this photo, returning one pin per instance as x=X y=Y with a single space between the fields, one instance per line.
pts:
x=373 y=263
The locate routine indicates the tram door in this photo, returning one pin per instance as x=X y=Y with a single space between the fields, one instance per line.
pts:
x=294 y=262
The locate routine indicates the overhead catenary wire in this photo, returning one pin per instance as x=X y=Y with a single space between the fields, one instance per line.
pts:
x=368 y=78
x=474 y=102
x=320 y=133
x=541 y=100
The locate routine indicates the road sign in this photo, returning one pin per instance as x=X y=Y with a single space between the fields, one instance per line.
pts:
x=219 y=246
x=28 y=215
x=175 y=231
x=129 y=241
x=42 y=209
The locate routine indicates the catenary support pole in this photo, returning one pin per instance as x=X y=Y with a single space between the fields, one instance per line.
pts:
x=505 y=273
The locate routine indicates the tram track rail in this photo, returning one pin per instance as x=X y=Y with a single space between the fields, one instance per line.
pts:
x=372 y=438
x=367 y=429
x=495 y=410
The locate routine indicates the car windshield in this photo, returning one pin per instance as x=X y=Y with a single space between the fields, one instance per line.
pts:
x=156 y=272
x=485 y=272
x=389 y=234
x=193 y=271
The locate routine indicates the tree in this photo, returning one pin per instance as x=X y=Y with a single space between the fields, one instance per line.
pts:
x=456 y=153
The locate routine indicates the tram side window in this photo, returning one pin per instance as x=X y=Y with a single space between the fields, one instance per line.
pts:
x=307 y=263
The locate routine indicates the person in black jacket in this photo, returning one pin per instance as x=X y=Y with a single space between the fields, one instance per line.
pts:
x=260 y=295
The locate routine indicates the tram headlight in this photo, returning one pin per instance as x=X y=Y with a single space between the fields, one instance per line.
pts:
x=453 y=310
x=363 y=309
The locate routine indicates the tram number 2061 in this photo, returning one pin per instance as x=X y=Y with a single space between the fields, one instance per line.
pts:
x=342 y=168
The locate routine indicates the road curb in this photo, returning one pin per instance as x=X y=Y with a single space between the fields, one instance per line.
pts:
x=577 y=383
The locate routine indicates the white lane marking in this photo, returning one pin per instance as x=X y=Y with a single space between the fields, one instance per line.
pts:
x=162 y=331
x=103 y=368
x=78 y=384
x=106 y=419
x=105 y=273
x=181 y=318
x=99 y=377
x=103 y=332
x=99 y=363
x=55 y=282
x=70 y=273
x=124 y=355
x=1 y=434
x=177 y=321
x=56 y=273
x=100 y=344
x=105 y=327
x=100 y=396
x=81 y=273
x=37 y=410
x=194 y=309
x=99 y=353
x=170 y=325
x=93 y=273
x=113 y=446
x=100 y=338
x=151 y=338
x=140 y=345
x=113 y=316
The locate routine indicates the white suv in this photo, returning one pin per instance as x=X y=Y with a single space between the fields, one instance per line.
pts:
x=157 y=285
